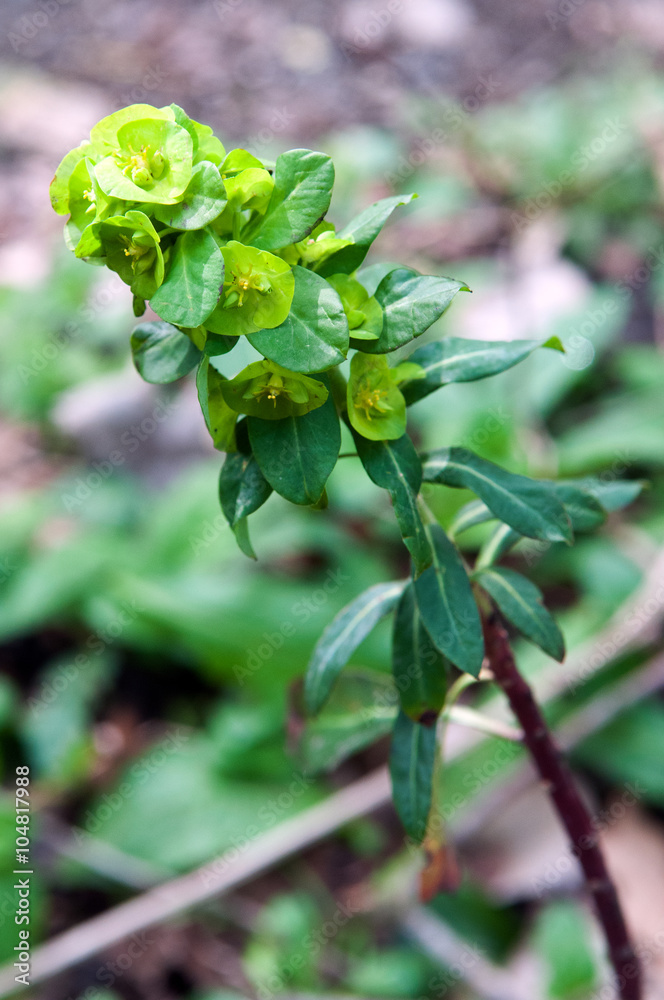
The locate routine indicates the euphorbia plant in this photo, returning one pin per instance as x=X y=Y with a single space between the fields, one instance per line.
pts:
x=225 y=246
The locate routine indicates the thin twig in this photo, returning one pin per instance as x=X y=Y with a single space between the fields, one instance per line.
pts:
x=465 y=716
x=569 y=806
x=582 y=723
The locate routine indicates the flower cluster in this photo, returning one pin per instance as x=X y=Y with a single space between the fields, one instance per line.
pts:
x=223 y=245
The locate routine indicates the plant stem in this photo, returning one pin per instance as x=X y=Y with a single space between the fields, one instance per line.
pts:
x=569 y=806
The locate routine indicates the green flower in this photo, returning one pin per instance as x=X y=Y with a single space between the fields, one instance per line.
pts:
x=257 y=294
x=130 y=245
x=145 y=158
x=59 y=189
x=376 y=408
x=104 y=135
x=87 y=202
x=265 y=389
x=364 y=314
x=205 y=143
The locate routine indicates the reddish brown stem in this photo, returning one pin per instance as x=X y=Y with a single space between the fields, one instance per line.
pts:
x=569 y=806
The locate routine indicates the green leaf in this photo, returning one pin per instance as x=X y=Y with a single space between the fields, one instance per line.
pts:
x=242 y=490
x=420 y=672
x=521 y=603
x=412 y=759
x=447 y=605
x=583 y=509
x=193 y=283
x=361 y=708
x=202 y=202
x=314 y=336
x=363 y=230
x=220 y=419
x=216 y=344
x=342 y=637
x=611 y=494
x=237 y=160
x=455 y=359
x=472 y=513
x=297 y=454
x=241 y=532
x=161 y=353
x=411 y=302
x=303 y=183
x=501 y=540
x=395 y=466
x=529 y=506
x=242 y=487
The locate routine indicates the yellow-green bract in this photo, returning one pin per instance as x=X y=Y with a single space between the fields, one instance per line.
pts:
x=265 y=389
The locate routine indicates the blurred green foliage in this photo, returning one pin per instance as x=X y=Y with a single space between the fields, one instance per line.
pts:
x=136 y=599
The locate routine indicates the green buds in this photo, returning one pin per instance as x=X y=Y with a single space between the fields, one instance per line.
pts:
x=365 y=317
x=321 y=244
x=265 y=389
